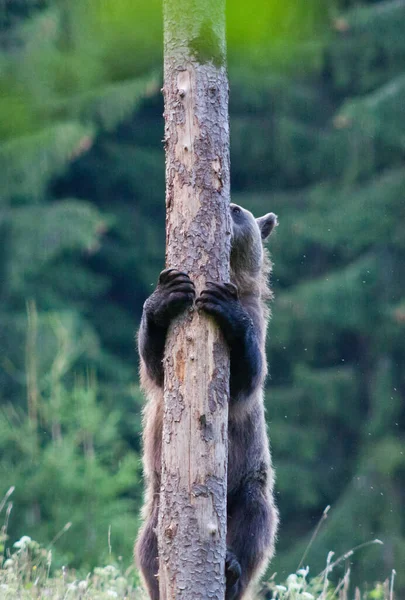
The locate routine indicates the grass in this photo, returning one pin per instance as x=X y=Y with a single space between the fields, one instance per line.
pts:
x=299 y=586
x=27 y=573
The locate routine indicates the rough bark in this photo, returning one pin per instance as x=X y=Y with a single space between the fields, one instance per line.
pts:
x=192 y=514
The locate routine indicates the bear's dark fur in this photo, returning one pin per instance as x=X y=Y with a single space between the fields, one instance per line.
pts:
x=240 y=310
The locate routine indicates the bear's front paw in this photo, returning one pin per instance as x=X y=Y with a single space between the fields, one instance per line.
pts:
x=175 y=292
x=220 y=300
x=233 y=574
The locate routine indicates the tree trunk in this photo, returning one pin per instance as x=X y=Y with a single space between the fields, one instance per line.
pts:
x=192 y=514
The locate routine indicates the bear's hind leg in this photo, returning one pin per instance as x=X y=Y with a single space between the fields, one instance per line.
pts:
x=252 y=522
x=146 y=553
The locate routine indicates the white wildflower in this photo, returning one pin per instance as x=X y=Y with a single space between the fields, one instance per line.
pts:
x=9 y=563
x=112 y=594
x=110 y=570
x=308 y=596
x=291 y=579
x=120 y=583
x=23 y=542
x=281 y=588
x=303 y=572
x=83 y=585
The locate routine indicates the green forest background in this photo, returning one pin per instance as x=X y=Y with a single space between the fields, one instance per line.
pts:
x=317 y=115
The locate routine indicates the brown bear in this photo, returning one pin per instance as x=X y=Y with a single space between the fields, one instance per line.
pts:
x=240 y=310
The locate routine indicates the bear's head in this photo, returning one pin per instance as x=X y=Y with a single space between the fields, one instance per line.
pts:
x=248 y=235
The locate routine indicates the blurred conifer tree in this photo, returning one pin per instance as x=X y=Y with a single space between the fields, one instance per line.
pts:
x=70 y=450
x=330 y=149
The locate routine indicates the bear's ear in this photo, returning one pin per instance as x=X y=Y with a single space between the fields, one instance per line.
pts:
x=267 y=224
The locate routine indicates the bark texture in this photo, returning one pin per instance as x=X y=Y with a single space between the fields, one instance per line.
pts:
x=192 y=514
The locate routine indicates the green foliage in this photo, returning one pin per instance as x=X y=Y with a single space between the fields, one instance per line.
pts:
x=66 y=226
x=57 y=94
x=370 y=46
x=74 y=50
x=68 y=463
x=331 y=151
x=29 y=162
x=317 y=126
x=285 y=33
